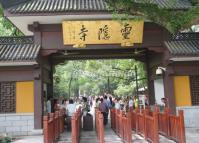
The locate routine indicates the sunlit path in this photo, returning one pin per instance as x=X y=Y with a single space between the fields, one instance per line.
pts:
x=109 y=135
x=65 y=137
x=91 y=137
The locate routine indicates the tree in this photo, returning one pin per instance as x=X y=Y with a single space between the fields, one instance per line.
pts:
x=95 y=77
x=6 y=27
x=174 y=20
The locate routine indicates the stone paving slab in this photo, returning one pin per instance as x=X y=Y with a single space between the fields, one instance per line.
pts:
x=192 y=136
x=65 y=137
x=29 y=139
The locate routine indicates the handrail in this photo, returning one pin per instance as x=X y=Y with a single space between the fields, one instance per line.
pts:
x=53 y=126
x=150 y=124
x=76 y=124
x=99 y=125
x=121 y=124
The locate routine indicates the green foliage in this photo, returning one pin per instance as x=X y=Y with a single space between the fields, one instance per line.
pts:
x=172 y=20
x=124 y=90
x=94 y=77
x=6 y=27
x=5 y=139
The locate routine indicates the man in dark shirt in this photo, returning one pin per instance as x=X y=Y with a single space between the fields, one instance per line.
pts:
x=104 y=110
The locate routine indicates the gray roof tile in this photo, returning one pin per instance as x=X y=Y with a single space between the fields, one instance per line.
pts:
x=53 y=6
x=48 y=6
x=183 y=48
x=178 y=4
x=19 y=52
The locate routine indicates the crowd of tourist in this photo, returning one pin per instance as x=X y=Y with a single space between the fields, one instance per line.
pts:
x=104 y=103
x=69 y=105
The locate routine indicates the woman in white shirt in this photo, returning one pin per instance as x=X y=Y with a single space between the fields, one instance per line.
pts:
x=71 y=108
x=117 y=104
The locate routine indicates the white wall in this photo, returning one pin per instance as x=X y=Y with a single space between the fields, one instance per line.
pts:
x=19 y=124
x=191 y=116
x=159 y=90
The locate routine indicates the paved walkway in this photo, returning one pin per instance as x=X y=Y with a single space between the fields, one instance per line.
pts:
x=192 y=136
x=29 y=139
x=110 y=136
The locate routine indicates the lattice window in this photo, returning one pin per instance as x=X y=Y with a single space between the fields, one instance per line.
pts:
x=194 y=82
x=7 y=97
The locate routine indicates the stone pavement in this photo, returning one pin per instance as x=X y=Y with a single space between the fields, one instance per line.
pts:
x=110 y=137
x=29 y=139
x=192 y=136
x=65 y=137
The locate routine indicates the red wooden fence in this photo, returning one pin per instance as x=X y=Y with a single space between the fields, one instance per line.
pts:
x=76 y=124
x=149 y=124
x=113 y=119
x=134 y=119
x=172 y=126
x=99 y=125
x=140 y=123
x=151 y=127
x=53 y=126
x=163 y=123
x=121 y=124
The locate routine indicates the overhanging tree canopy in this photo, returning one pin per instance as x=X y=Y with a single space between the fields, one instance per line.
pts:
x=169 y=17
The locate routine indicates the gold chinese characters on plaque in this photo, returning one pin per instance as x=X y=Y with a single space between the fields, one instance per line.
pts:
x=81 y=33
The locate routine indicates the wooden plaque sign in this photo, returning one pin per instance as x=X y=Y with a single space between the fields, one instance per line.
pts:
x=79 y=33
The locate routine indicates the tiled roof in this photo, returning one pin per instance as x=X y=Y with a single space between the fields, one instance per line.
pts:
x=57 y=6
x=46 y=6
x=19 y=52
x=183 y=48
x=175 y=4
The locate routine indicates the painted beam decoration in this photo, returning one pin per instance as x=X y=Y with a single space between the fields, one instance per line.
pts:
x=81 y=33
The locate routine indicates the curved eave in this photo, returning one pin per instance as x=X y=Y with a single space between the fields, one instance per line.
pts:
x=11 y=64
x=22 y=22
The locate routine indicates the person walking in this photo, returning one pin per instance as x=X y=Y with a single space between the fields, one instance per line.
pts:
x=130 y=104
x=48 y=105
x=104 y=110
x=70 y=110
x=117 y=104
x=135 y=101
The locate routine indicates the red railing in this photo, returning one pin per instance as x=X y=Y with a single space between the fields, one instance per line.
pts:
x=150 y=124
x=117 y=121
x=172 y=126
x=53 y=126
x=126 y=123
x=99 y=125
x=76 y=124
x=134 y=119
x=122 y=124
x=140 y=123
x=163 y=123
x=113 y=119
x=151 y=127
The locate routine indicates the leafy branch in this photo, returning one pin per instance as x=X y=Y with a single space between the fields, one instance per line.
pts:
x=172 y=19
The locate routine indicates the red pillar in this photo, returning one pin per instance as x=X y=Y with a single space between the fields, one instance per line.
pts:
x=101 y=128
x=182 y=127
x=45 y=129
x=156 y=134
